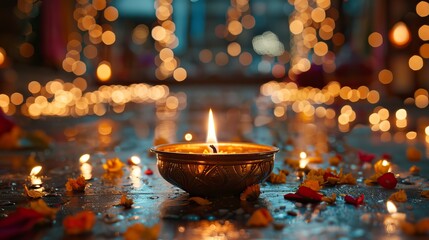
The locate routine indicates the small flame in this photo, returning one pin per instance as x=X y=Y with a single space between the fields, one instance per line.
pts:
x=391 y=208
x=84 y=158
x=35 y=170
x=385 y=163
x=211 y=133
x=135 y=160
x=188 y=137
x=302 y=155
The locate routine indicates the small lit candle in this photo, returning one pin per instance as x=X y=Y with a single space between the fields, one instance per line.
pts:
x=85 y=166
x=36 y=182
x=134 y=160
x=84 y=158
x=382 y=166
x=303 y=160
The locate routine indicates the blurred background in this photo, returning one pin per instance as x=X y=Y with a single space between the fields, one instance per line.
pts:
x=67 y=57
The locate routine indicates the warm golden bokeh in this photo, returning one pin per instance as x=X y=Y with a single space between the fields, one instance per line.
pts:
x=375 y=39
x=400 y=34
x=104 y=71
x=415 y=62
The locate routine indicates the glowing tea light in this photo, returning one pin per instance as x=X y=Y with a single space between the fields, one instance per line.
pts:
x=36 y=170
x=382 y=166
x=84 y=158
x=391 y=208
x=134 y=160
x=36 y=181
x=211 y=134
x=188 y=137
x=86 y=171
x=303 y=161
x=400 y=35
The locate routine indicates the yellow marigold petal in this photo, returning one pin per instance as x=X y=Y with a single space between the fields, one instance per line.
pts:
x=399 y=196
x=312 y=184
x=260 y=218
x=140 y=231
x=251 y=193
x=425 y=194
x=277 y=178
x=41 y=207
x=200 y=201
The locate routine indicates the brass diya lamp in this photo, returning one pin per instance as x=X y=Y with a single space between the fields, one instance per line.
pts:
x=214 y=169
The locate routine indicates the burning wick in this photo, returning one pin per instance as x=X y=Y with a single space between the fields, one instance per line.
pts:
x=211 y=134
x=36 y=182
x=213 y=148
x=84 y=158
x=134 y=160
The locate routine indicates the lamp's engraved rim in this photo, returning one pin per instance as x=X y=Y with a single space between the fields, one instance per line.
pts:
x=228 y=151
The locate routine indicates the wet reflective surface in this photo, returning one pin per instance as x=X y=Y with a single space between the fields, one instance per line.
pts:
x=240 y=116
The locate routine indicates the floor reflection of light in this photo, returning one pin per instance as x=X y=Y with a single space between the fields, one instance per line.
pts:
x=213 y=230
x=86 y=171
x=135 y=174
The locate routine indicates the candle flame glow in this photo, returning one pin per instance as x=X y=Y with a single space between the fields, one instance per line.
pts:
x=302 y=155
x=385 y=163
x=135 y=160
x=35 y=170
x=400 y=35
x=211 y=133
x=391 y=208
x=84 y=158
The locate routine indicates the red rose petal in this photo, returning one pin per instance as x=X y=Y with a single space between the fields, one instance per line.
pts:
x=19 y=222
x=365 y=157
x=387 y=180
x=355 y=201
x=148 y=171
x=298 y=198
x=386 y=156
x=309 y=193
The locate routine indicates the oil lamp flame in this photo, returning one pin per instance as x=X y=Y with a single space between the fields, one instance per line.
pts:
x=391 y=208
x=302 y=155
x=385 y=163
x=135 y=160
x=35 y=170
x=84 y=158
x=211 y=133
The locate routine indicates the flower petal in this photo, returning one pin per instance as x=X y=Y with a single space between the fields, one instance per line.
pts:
x=387 y=180
x=19 y=222
x=355 y=201
x=309 y=193
x=365 y=157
